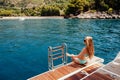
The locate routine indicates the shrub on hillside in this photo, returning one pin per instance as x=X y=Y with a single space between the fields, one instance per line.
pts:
x=110 y=10
x=6 y=12
x=77 y=6
x=50 y=11
x=35 y=11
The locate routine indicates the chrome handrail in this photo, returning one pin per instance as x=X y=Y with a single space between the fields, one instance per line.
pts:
x=54 y=55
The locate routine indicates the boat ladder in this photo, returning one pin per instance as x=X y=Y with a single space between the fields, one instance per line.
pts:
x=55 y=53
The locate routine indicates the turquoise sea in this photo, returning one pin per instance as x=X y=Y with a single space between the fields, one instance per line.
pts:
x=24 y=44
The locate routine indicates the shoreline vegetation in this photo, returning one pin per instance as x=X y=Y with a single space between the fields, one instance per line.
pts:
x=35 y=9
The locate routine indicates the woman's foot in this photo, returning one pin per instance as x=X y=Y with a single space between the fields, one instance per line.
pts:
x=69 y=54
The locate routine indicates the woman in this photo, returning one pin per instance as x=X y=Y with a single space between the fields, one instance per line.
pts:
x=87 y=52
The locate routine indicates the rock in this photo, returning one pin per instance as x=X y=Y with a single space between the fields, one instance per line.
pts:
x=95 y=15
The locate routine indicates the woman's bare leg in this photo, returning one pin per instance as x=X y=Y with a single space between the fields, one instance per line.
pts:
x=74 y=59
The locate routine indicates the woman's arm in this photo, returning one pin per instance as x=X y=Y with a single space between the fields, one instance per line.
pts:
x=71 y=55
x=82 y=53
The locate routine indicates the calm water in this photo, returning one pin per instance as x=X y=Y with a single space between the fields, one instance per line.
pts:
x=24 y=44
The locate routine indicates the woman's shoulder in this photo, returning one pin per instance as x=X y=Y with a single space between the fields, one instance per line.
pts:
x=85 y=50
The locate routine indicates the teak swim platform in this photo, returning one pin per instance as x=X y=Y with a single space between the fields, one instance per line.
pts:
x=94 y=70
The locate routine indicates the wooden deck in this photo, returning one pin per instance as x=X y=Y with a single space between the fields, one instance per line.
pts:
x=64 y=70
x=95 y=71
x=68 y=69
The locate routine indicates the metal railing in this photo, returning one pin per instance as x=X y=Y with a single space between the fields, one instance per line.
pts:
x=55 y=53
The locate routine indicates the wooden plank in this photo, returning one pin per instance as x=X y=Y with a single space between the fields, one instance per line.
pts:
x=47 y=77
x=59 y=72
x=80 y=75
x=94 y=77
x=77 y=76
x=65 y=70
x=43 y=77
x=92 y=68
x=72 y=67
x=109 y=74
x=104 y=76
x=55 y=75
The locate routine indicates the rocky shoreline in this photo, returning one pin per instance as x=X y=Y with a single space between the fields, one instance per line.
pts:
x=95 y=15
x=85 y=15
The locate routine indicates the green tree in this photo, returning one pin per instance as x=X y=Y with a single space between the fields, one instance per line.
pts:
x=4 y=2
x=23 y=4
x=77 y=6
x=6 y=12
x=101 y=5
x=91 y=4
x=32 y=11
x=115 y=4
x=50 y=11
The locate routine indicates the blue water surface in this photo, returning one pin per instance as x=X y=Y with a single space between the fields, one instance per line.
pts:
x=24 y=44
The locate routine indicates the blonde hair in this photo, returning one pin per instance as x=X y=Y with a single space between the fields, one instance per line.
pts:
x=89 y=46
